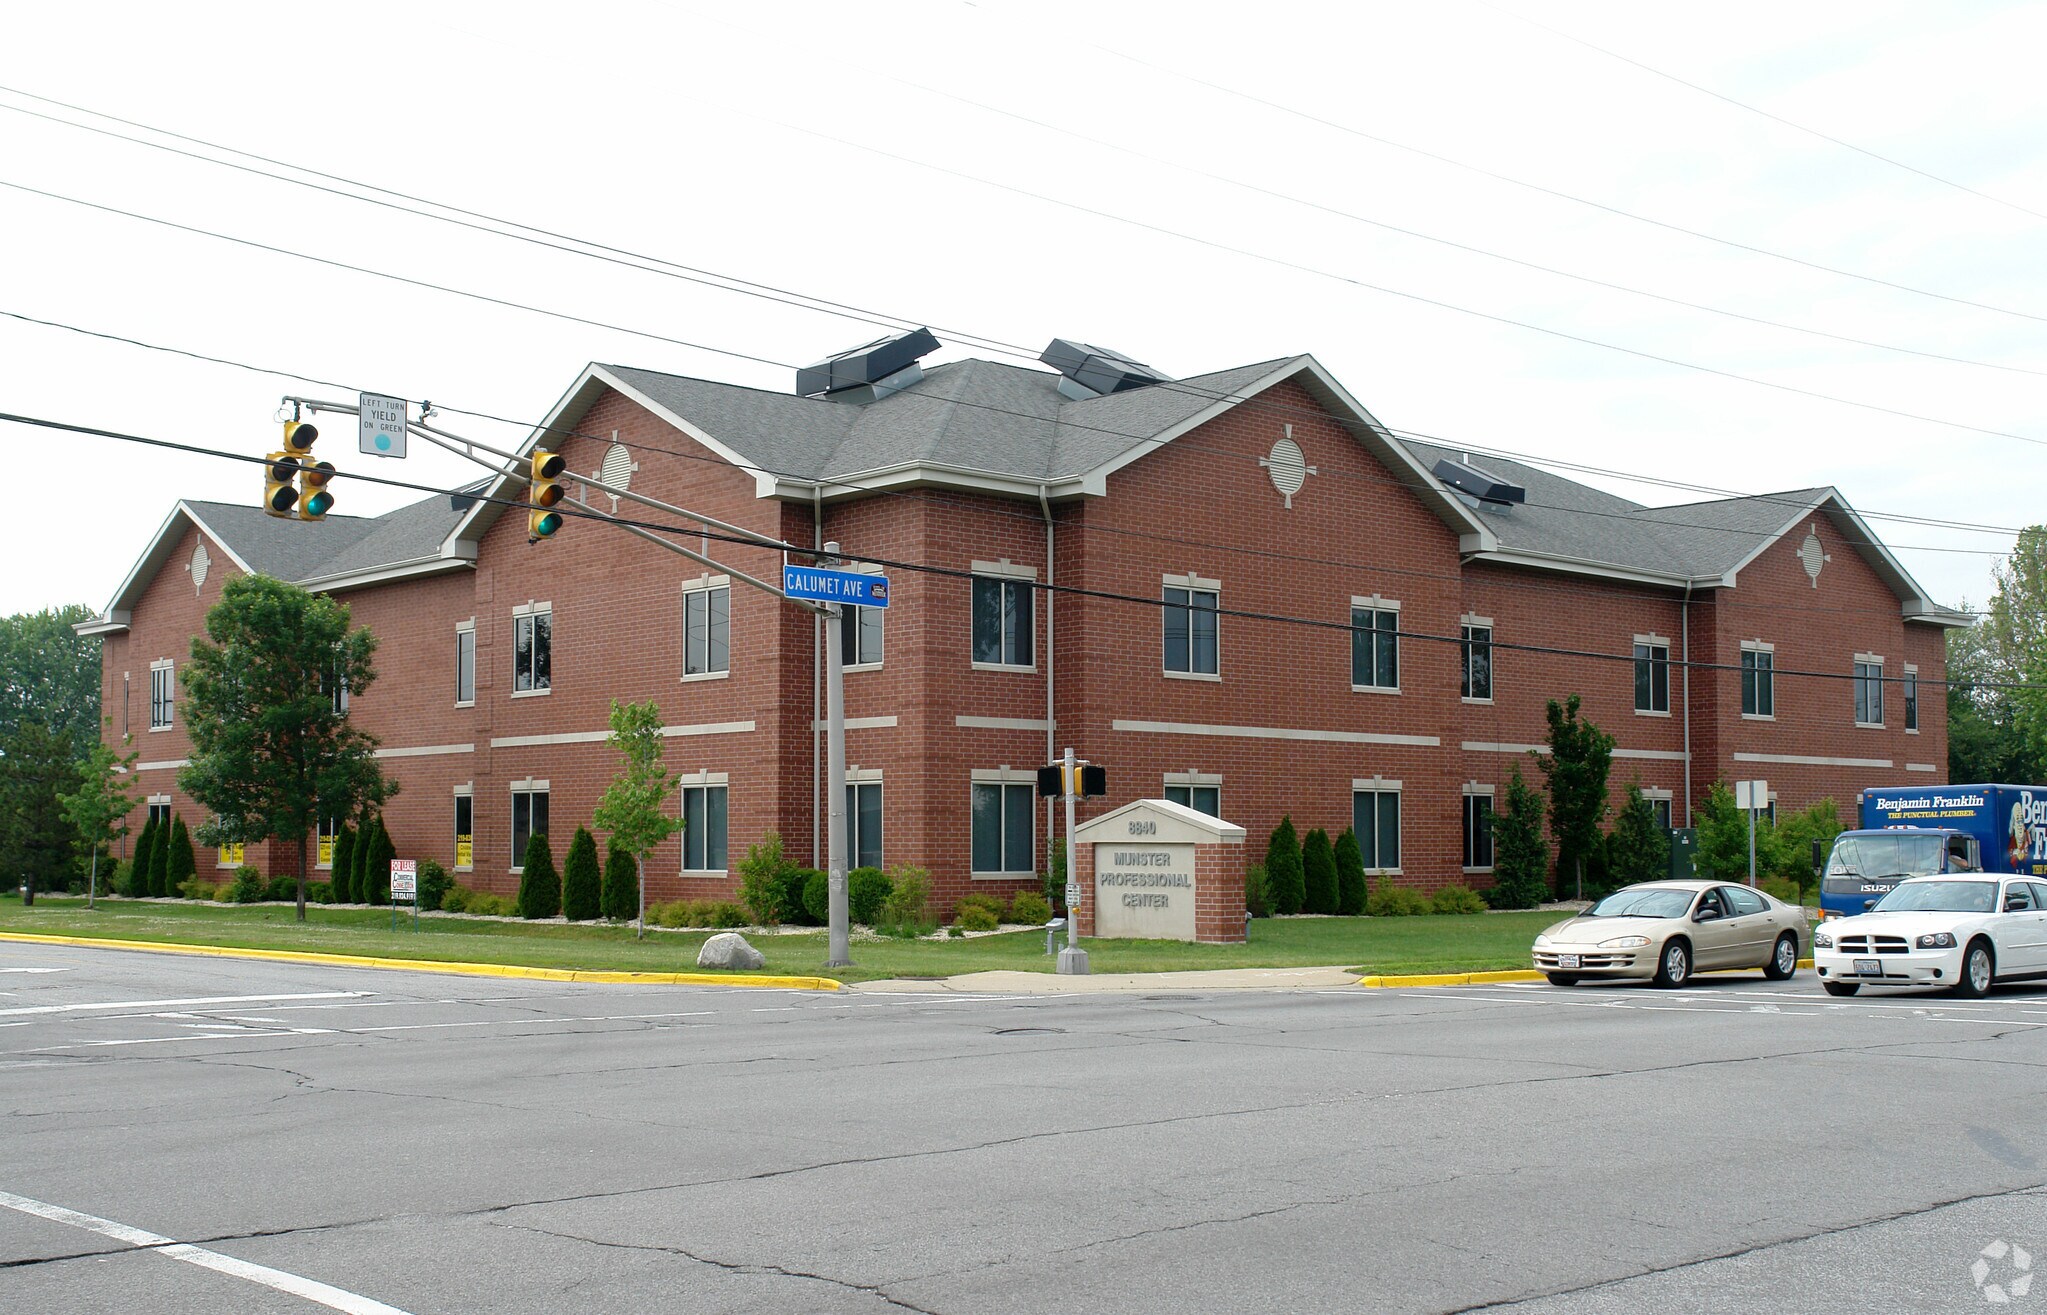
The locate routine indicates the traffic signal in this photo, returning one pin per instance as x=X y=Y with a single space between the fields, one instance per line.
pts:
x=317 y=501
x=280 y=494
x=1052 y=783
x=542 y=493
x=298 y=438
x=1093 y=780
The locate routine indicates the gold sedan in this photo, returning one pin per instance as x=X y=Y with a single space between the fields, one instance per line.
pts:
x=1668 y=930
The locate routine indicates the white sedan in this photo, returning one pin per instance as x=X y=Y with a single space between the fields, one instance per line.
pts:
x=1962 y=933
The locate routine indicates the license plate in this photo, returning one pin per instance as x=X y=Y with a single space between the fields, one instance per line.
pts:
x=1567 y=961
x=1869 y=968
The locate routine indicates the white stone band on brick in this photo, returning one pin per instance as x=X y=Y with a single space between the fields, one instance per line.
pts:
x=426 y=750
x=1800 y=760
x=1271 y=733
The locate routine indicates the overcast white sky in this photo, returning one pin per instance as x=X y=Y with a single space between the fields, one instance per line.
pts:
x=881 y=157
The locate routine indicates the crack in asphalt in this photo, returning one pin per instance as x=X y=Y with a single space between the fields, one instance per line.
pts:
x=256 y=1234
x=730 y=1266
x=1755 y=1248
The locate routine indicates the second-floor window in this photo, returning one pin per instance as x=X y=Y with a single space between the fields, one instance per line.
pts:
x=1475 y=682
x=1652 y=676
x=1002 y=623
x=1193 y=646
x=1758 y=683
x=533 y=650
x=1869 y=692
x=465 y=664
x=162 y=691
x=860 y=636
x=1374 y=647
x=706 y=631
x=1910 y=688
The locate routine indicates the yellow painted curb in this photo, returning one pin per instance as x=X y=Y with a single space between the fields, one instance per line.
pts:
x=430 y=966
x=1478 y=979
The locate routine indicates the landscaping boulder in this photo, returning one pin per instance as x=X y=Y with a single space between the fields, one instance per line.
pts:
x=728 y=949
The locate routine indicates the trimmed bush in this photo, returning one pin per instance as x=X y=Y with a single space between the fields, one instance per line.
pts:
x=248 y=887
x=485 y=904
x=724 y=913
x=993 y=906
x=1029 y=907
x=1391 y=901
x=621 y=894
x=540 y=887
x=976 y=917
x=132 y=878
x=456 y=900
x=341 y=865
x=1456 y=899
x=867 y=890
x=280 y=888
x=122 y=879
x=582 y=882
x=320 y=892
x=179 y=867
x=434 y=884
x=159 y=874
x=795 y=896
x=197 y=888
x=672 y=914
x=1783 y=888
x=1318 y=873
x=1284 y=878
x=359 y=861
x=817 y=897
x=1257 y=891
x=1350 y=874
x=762 y=879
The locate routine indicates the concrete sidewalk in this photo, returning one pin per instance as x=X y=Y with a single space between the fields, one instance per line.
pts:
x=1019 y=983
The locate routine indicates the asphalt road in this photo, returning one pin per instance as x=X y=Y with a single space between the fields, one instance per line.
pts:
x=428 y=1144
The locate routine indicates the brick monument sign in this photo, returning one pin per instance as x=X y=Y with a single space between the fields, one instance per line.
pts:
x=1157 y=870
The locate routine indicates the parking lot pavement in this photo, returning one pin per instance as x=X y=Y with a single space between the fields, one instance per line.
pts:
x=422 y=1143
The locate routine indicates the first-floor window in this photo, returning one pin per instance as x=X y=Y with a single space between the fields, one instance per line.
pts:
x=465 y=832
x=1652 y=677
x=1375 y=815
x=1201 y=798
x=1661 y=807
x=1478 y=831
x=703 y=828
x=324 y=855
x=863 y=824
x=160 y=811
x=529 y=819
x=232 y=855
x=1005 y=828
x=1869 y=693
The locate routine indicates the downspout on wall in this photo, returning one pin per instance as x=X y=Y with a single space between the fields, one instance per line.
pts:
x=1685 y=613
x=817 y=657
x=1051 y=650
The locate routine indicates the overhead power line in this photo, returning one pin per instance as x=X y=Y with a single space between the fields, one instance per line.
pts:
x=1759 y=112
x=851 y=553
x=513 y=230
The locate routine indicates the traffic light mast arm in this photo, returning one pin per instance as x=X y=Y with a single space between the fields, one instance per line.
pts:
x=452 y=443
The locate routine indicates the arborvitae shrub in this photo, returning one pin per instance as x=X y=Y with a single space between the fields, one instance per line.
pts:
x=1257 y=891
x=582 y=883
x=867 y=889
x=621 y=898
x=1318 y=873
x=133 y=879
x=160 y=860
x=341 y=876
x=795 y=904
x=1350 y=874
x=540 y=888
x=180 y=866
x=359 y=861
x=817 y=897
x=1284 y=878
x=434 y=885
x=375 y=885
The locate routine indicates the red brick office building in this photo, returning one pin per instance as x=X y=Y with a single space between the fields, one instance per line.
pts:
x=1237 y=590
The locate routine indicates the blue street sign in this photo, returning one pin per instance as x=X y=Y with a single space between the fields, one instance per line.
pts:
x=815 y=585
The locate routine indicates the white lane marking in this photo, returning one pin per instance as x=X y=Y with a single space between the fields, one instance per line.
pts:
x=168 y=1004
x=296 y=1285
x=34 y=970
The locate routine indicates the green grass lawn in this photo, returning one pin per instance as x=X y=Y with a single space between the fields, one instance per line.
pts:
x=1470 y=943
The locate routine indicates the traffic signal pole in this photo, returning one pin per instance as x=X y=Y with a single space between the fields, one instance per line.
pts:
x=1072 y=959
x=839 y=956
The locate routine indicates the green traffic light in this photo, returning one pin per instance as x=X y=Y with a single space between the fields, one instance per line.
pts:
x=319 y=504
x=546 y=523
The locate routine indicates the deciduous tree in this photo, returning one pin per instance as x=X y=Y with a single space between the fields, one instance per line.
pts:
x=633 y=808
x=100 y=806
x=270 y=753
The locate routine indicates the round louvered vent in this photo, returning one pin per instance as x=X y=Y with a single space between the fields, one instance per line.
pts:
x=618 y=467
x=1288 y=468
x=200 y=561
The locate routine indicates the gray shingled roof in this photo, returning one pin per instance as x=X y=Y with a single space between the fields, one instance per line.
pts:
x=336 y=545
x=971 y=415
x=1563 y=518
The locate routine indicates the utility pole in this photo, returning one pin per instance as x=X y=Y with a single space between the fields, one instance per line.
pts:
x=835 y=777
